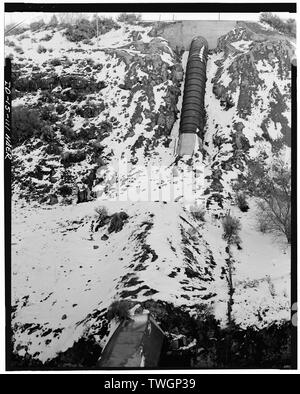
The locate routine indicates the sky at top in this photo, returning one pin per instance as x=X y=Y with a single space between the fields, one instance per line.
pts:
x=29 y=17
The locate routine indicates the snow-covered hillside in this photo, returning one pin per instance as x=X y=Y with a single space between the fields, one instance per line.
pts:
x=110 y=117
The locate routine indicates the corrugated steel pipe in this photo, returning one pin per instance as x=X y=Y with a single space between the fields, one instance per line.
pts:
x=193 y=112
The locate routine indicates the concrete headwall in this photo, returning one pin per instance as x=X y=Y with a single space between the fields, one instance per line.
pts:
x=188 y=144
x=181 y=33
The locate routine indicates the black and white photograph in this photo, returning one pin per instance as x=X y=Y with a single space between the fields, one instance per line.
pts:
x=150 y=177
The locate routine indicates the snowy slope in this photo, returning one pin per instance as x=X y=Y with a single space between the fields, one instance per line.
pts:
x=255 y=74
x=122 y=114
x=79 y=272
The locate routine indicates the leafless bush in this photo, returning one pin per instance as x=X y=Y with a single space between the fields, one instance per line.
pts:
x=287 y=27
x=34 y=26
x=271 y=286
x=53 y=22
x=231 y=228
x=262 y=225
x=19 y=50
x=241 y=201
x=84 y=29
x=274 y=216
x=55 y=62
x=271 y=185
x=119 y=310
x=9 y=43
x=101 y=212
x=41 y=49
x=129 y=18
x=46 y=38
x=26 y=123
x=198 y=213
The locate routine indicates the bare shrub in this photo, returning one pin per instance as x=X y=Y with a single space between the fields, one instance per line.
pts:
x=101 y=212
x=198 y=213
x=34 y=26
x=204 y=311
x=192 y=233
x=19 y=50
x=274 y=206
x=53 y=22
x=46 y=38
x=129 y=18
x=231 y=228
x=41 y=49
x=270 y=183
x=241 y=201
x=83 y=29
x=262 y=225
x=26 y=123
x=119 y=310
x=287 y=27
x=274 y=216
x=23 y=37
x=55 y=62
x=10 y=43
x=271 y=286
x=65 y=190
